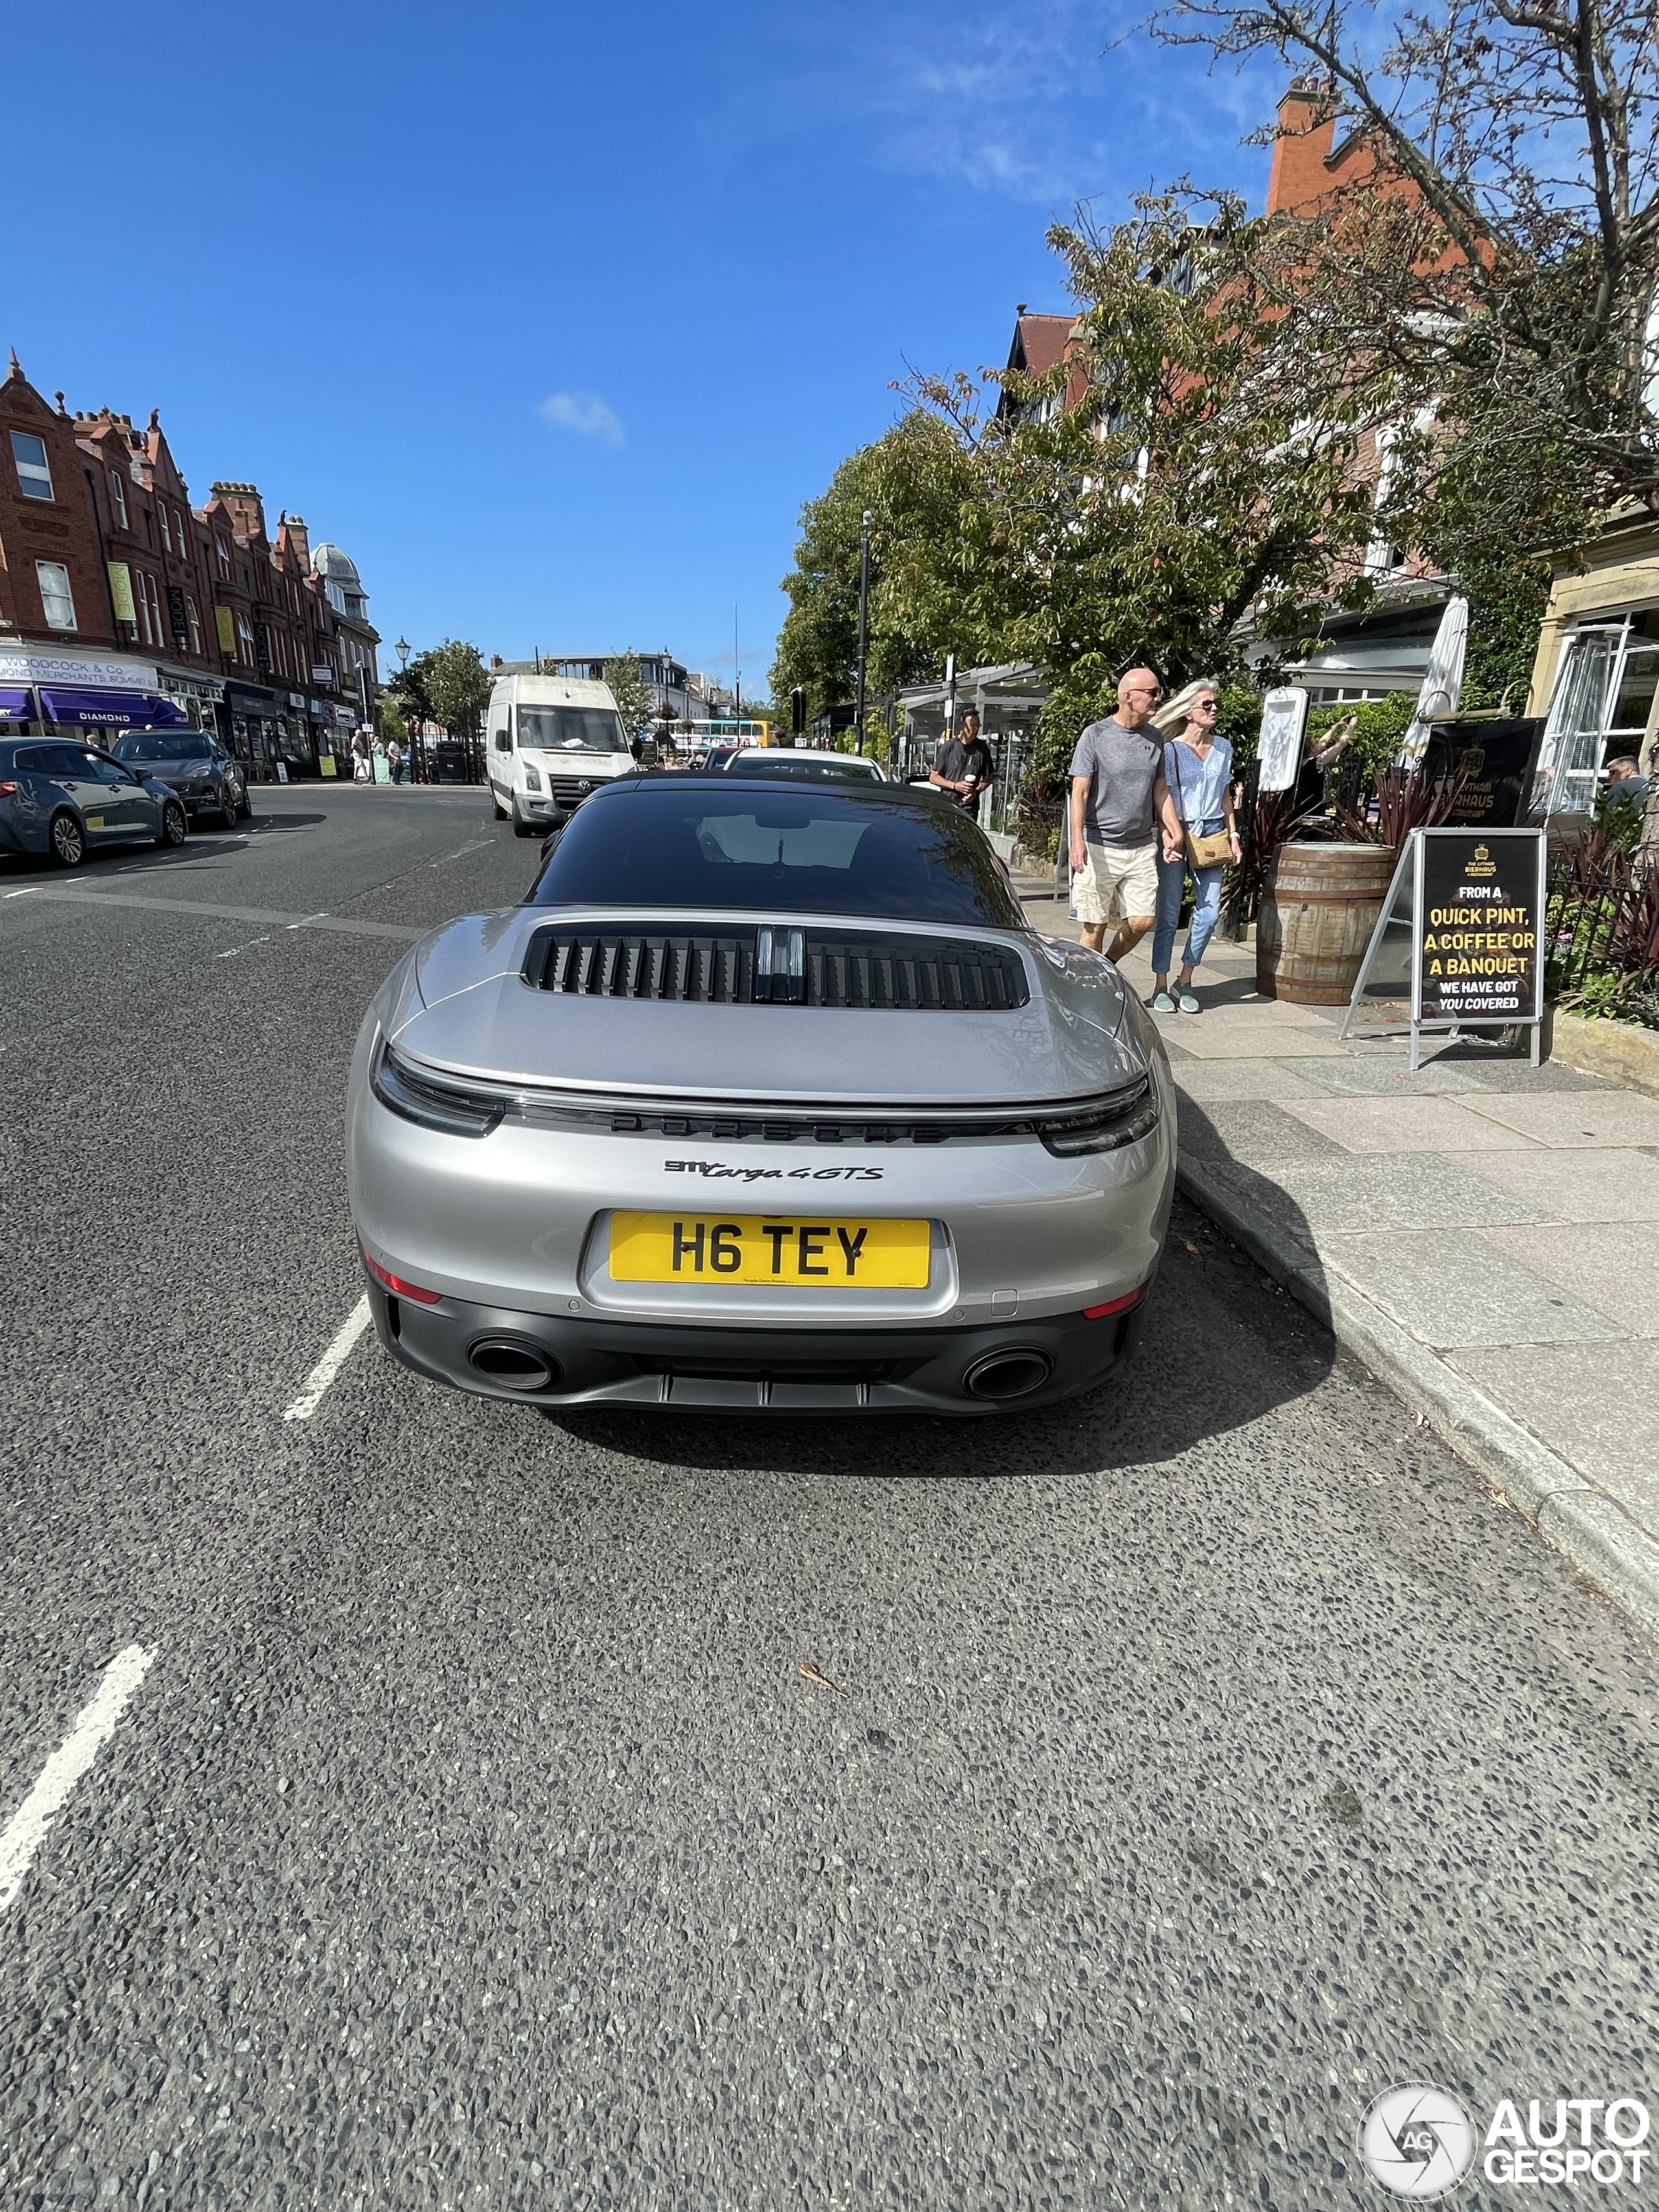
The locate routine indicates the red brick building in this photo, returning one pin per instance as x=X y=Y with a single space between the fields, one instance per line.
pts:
x=122 y=603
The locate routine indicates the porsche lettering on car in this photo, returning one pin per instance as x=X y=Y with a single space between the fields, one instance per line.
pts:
x=767 y=1096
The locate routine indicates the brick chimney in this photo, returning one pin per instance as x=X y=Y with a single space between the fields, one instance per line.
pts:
x=294 y=529
x=1299 y=179
x=246 y=507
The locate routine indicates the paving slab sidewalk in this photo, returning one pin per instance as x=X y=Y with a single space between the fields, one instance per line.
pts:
x=1483 y=1234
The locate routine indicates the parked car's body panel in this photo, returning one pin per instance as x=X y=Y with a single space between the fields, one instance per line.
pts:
x=111 y=804
x=194 y=764
x=532 y=1087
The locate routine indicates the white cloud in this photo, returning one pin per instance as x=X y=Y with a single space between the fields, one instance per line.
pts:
x=585 y=413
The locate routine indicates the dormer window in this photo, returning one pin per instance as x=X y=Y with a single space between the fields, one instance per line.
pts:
x=33 y=470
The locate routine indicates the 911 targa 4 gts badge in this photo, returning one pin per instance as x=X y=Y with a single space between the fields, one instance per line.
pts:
x=718 y=1169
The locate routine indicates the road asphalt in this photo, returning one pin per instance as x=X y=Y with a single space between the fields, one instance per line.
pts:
x=1096 y=1808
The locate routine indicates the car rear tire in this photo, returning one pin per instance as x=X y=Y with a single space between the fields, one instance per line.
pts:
x=175 y=826
x=228 y=810
x=67 y=839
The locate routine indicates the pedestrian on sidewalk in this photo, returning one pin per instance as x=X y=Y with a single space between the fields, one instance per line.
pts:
x=1198 y=771
x=394 y=759
x=361 y=770
x=963 y=768
x=1121 y=809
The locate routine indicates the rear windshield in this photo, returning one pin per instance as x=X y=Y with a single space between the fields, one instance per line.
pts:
x=571 y=730
x=811 y=850
x=161 y=745
x=805 y=768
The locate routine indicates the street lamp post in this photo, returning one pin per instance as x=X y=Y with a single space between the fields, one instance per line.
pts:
x=401 y=649
x=864 y=626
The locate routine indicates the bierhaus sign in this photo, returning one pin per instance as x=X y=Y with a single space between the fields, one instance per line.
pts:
x=1462 y=933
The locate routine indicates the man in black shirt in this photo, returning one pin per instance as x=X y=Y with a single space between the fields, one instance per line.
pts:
x=963 y=766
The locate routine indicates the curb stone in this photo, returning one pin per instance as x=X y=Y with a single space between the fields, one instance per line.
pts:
x=1593 y=1533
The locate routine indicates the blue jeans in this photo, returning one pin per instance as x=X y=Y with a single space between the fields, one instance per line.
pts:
x=1171 y=881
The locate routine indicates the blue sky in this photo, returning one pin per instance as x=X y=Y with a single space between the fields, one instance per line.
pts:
x=553 y=317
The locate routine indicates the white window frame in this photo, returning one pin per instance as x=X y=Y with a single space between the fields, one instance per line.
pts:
x=31 y=473
x=245 y=638
x=46 y=574
x=194 y=622
x=118 y=492
x=1579 y=731
x=166 y=528
x=156 y=609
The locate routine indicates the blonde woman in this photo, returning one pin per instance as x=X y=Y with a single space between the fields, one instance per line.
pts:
x=1198 y=768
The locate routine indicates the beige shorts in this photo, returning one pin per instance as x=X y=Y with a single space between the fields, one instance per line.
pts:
x=1121 y=876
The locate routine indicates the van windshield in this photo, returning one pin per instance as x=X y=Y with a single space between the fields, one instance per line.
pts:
x=571 y=730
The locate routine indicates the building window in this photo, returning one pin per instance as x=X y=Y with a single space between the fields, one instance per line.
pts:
x=223 y=552
x=154 y=599
x=1604 y=694
x=194 y=621
x=117 y=493
x=34 y=471
x=57 y=601
x=244 y=638
x=166 y=534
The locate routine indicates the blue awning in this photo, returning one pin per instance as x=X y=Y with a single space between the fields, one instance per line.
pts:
x=114 y=710
x=14 y=704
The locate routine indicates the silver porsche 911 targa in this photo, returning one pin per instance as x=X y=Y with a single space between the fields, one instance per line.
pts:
x=767 y=1097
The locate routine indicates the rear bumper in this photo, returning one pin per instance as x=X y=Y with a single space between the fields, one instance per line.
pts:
x=678 y=1367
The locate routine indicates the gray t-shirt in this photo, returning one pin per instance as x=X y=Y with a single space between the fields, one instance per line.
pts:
x=1121 y=765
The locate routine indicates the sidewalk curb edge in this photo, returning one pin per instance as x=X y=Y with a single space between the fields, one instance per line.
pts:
x=1593 y=1534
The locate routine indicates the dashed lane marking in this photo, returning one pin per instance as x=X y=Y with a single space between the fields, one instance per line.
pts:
x=231 y=951
x=95 y=1725
x=330 y=1364
x=24 y=893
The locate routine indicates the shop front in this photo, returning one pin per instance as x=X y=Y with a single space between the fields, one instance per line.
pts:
x=98 y=695
x=259 y=733
x=202 y=697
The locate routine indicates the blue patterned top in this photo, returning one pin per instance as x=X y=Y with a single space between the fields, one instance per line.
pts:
x=1201 y=792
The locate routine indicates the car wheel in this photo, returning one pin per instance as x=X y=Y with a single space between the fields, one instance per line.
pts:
x=228 y=809
x=520 y=827
x=67 y=840
x=244 y=804
x=174 y=826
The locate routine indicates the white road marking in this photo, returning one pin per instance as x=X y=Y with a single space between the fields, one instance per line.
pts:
x=95 y=1725
x=24 y=893
x=330 y=1364
x=231 y=953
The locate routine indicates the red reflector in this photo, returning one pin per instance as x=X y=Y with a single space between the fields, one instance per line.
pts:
x=1090 y=1313
x=397 y=1284
x=8 y=790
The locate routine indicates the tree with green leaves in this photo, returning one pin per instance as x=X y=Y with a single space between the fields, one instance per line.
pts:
x=636 y=699
x=457 y=686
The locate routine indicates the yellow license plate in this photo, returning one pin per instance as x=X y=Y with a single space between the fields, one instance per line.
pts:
x=768 y=1248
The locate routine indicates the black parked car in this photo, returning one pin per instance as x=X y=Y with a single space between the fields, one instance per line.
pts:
x=64 y=798
x=196 y=765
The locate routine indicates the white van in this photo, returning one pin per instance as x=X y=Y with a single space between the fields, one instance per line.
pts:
x=549 y=741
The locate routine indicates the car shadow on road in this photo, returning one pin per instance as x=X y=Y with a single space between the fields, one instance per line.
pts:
x=1222 y=1345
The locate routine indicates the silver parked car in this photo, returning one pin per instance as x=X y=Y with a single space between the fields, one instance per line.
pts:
x=768 y=1097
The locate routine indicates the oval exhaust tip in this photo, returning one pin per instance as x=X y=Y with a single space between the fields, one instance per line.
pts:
x=514 y=1363
x=1004 y=1374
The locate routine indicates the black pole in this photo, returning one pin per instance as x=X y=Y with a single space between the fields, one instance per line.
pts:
x=864 y=624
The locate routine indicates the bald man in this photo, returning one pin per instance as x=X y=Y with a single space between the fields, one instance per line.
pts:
x=1120 y=806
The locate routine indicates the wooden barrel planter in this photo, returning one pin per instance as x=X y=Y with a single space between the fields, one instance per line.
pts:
x=1316 y=919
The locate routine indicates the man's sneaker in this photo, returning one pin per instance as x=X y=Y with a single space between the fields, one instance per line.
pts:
x=1185 y=1000
x=1162 y=1003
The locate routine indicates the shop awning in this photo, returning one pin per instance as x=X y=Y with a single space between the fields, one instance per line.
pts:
x=13 y=704
x=113 y=710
